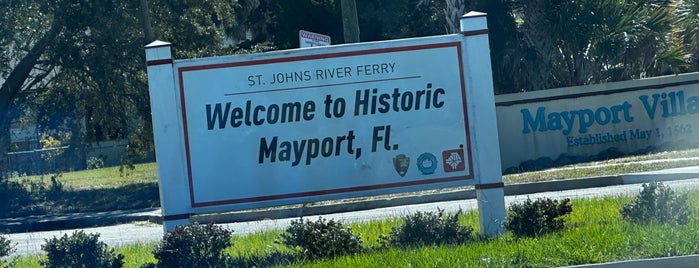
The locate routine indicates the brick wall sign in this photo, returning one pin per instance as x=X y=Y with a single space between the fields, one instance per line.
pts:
x=306 y=125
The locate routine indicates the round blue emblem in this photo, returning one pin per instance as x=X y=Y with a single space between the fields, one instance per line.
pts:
x=427 y=163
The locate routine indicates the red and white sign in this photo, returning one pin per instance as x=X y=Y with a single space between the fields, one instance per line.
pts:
x=295 y=126
x=307 y=125
x=311 y=39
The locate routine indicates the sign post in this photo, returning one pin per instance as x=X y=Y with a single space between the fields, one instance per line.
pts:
x=298 y=126
x=490 y=192
x=168 y=136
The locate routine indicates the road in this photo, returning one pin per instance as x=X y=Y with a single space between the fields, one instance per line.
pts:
x=144 y=232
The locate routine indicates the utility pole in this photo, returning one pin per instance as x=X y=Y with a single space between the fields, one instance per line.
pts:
x=350 y=26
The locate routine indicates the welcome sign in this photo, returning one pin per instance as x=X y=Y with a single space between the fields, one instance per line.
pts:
x=330 y=122
x=632 y=116
x=313 y=124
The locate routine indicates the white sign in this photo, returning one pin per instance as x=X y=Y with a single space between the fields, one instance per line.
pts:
x=306 y=125
x=311 y=39
x=326 y=123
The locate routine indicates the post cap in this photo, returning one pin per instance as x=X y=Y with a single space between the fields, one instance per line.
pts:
x=474 y=14
x=474 y=22
x=157 y=44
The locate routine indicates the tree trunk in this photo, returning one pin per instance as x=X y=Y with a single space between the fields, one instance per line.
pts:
x=350 y=25
x=12 y=86
x=148 y=35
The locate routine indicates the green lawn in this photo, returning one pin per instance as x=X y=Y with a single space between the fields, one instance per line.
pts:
x=147 y=173
x=110 y=177
x=594 y=233
x=114 y=188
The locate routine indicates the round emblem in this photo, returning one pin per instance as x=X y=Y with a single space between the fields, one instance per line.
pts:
x=427 y=163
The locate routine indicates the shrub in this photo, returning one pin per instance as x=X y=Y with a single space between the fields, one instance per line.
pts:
x=95 y=162
x=321 y=239
x=80 y=250
x=533 y=218
x=194 y=245
x=428 y=228
x=6 y=248
x=657 y=202
x=13 y=198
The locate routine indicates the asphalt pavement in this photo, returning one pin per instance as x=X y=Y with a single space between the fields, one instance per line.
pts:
x=142 y=226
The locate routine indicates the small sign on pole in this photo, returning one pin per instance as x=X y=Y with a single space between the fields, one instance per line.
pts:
x=311 y=39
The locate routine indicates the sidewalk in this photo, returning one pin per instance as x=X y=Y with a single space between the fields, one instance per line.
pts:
x=95 y=219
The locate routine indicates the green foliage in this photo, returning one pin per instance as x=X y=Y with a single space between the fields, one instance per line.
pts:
x=80 y=250
x=27 y=196
x=95 y=162
x=321 y=239
x=428 y=228
x=657 y=202
x=593 y=41
x=533 y=218
x=6 y=248
x=599 y=235
x=194 y=245
x=13 y=196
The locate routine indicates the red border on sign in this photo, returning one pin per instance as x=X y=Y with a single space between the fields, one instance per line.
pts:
x=194 y=204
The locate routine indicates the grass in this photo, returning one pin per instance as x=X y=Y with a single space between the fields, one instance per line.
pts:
x=104 y=189
x=136 y=255
x=113 y=188
x=594 y=233
x=623 y=165
x=113 y=177
x=102 y=178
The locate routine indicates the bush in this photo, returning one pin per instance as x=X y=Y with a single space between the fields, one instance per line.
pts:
x=657 y=202
x=6 y=248
x=428 y=228
x=95 y=162
x=13 y=197
x=533 y=218
x=194 y=245
x=80 y=250
x=321 y=239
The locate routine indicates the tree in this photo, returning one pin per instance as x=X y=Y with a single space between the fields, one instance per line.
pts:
x=688 y=28
x=73 y=60
x=569 y=43
x=27 y=29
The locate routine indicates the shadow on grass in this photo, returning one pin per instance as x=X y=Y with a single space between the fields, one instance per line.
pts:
x=26 y=198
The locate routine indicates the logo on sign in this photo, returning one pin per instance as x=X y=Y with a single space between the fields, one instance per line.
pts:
x=427 y=163
x=453 y=160
x=401 y=163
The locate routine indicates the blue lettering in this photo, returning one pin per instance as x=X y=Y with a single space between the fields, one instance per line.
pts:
x=527 y=118
x=566 y=120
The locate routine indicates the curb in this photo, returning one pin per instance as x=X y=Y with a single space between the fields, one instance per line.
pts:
x=77 y=220
x=84 y=220
x=688 y=261
x=314 y=210
x=511 y=189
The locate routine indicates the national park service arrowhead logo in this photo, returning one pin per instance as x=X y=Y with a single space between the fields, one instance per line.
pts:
x=401 y=163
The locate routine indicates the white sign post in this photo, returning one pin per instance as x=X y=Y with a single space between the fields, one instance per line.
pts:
x=311 y=39
x=290 y=127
